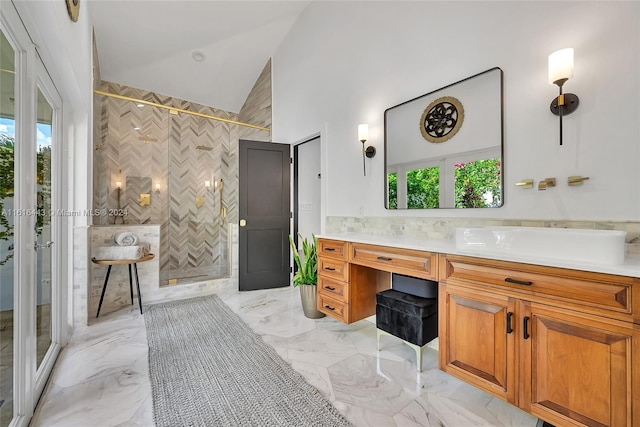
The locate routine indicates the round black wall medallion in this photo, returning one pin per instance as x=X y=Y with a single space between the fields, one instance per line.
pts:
x=73 y=7
x=441 y=119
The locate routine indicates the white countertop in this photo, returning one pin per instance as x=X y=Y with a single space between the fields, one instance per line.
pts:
x=630 y=267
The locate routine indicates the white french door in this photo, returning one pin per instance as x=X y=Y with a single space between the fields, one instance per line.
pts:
x=48 y=233
x=30 y=222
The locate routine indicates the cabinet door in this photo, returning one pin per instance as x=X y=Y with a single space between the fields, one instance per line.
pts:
x=479 y=338
x=576 y=370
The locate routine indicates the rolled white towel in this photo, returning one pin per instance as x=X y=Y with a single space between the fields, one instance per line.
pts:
x=125 y=239
x=121 y=252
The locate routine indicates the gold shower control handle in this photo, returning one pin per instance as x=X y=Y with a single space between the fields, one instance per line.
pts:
x=243 y=222
x=577 y=180
x=525 y=183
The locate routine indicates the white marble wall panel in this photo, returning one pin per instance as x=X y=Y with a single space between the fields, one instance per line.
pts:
x=444 y=228
x=80 y=275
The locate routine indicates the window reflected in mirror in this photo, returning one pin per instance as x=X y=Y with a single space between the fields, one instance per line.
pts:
x=444 y=149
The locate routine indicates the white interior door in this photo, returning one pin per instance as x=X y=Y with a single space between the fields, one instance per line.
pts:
x=308 y=180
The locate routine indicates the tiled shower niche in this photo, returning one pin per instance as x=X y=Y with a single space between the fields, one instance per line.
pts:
x=175 y=170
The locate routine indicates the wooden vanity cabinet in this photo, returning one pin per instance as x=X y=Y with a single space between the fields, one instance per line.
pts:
x=350 y=275
x=409 y=262
x=346 y=292
x=476 y=339
x=578 y=370
x=560 y=344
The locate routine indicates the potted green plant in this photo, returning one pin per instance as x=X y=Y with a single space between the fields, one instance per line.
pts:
x=306 y=276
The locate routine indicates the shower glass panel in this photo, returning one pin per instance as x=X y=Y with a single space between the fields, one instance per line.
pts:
x=197 y=231
x=172 y=169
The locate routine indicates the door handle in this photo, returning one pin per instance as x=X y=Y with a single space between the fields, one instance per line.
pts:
x=518 y=282
x=509 y=327
x=243 y=222
x=525 y=326
x=43 y=245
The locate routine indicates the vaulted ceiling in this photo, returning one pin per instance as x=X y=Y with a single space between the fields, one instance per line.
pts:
x=151 y=45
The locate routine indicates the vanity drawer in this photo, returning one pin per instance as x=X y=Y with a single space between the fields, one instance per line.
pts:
x=334 y=289
x=332 y=248
x=596 y=293
x=334 y=308
x=333 y=268
x=404 y=261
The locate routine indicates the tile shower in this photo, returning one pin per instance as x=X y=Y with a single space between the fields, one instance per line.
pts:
x=162 y=162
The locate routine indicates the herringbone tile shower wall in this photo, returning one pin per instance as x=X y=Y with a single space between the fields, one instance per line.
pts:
x=178 y=152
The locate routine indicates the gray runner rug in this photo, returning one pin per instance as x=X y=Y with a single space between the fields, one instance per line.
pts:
x=208 y=368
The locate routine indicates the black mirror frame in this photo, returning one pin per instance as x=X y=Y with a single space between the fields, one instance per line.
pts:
x=502 y=187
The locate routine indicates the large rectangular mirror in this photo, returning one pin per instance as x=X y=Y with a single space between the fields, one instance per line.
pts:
x=444 y=149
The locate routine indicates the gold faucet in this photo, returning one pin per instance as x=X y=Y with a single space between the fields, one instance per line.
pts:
x=547 y=182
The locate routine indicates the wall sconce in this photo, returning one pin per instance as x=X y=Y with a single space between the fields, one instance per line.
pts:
x=119 y=214
x=370 y=151
x=561 y=70
x=207 y=185
x=157 y=188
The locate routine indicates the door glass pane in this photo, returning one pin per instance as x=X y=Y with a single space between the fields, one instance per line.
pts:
x=7 y=140
x=477 y=183
x=43 y=224
x=423 y=188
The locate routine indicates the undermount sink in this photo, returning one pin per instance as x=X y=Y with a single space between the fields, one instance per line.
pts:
x=581 y=245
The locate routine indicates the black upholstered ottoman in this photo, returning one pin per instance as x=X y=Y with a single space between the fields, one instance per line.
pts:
x=411 y=318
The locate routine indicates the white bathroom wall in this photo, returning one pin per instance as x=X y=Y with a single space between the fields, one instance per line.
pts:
x=65 y=49
x=344 y=63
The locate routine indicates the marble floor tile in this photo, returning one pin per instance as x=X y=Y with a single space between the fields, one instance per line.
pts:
x=101 y=377
x=361 y=382
x=363 y=417
x=320 y=347
x=106 y=401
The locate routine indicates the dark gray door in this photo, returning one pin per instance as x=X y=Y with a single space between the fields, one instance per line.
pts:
x=264 y=213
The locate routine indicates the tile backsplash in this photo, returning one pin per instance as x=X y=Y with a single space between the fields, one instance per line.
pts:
x=444 y=228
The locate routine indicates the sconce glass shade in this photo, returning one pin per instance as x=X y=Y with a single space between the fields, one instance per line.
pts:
x=561 y=66
x=207 y=184
x=363 y=132
x=118 y=184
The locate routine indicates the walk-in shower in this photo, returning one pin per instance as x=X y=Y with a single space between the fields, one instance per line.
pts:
x=177 y=167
